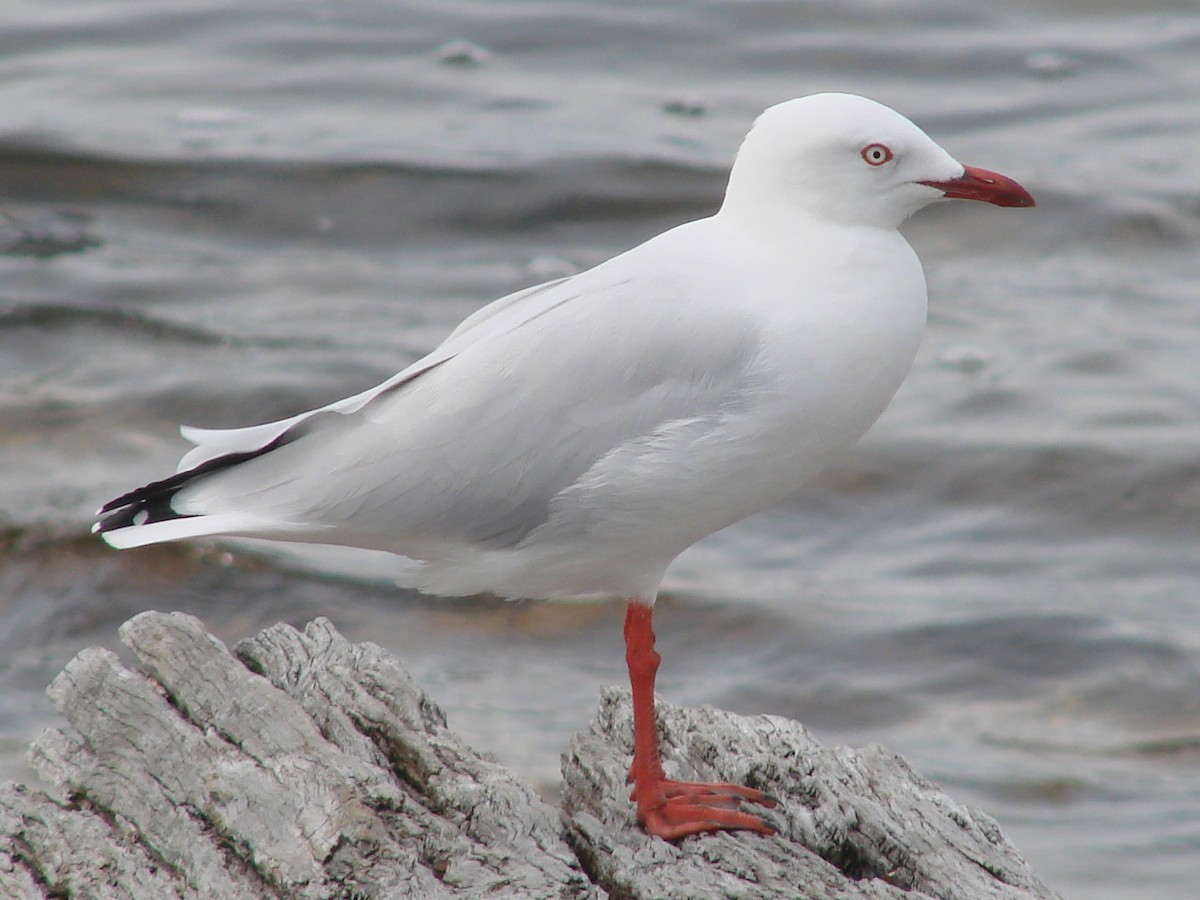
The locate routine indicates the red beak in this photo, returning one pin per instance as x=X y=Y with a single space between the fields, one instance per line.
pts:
x=990 y=187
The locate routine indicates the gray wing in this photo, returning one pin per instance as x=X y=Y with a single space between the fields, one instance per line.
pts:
x=473 y=447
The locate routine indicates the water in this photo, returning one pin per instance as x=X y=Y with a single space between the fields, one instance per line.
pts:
x=222 y=213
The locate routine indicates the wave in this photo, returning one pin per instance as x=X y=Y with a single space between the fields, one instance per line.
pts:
x=130 y=324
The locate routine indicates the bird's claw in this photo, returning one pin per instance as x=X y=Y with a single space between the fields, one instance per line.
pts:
x=675 y=809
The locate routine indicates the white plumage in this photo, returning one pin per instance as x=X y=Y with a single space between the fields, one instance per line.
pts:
x=573 y=438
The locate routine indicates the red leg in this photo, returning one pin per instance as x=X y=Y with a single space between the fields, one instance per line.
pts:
x=673 y=809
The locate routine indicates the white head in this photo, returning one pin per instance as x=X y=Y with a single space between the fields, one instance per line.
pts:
x=847 y=159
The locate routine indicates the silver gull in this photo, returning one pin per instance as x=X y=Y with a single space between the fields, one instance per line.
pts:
x=573 y=438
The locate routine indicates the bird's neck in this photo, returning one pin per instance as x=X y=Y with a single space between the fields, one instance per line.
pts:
x=786 y=227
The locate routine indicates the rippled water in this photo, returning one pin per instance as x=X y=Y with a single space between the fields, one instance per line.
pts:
x=223 y=213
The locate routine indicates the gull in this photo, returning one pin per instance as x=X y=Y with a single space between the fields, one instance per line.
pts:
x=573 y=438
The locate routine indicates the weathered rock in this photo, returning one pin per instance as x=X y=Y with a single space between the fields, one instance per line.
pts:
x=309 y=767
x=281 y=782
x=851 y=823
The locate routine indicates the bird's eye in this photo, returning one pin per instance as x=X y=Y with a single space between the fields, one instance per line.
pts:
x=876 y=154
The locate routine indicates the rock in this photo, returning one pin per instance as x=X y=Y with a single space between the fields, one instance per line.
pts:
x=851 y=823
x=306 y=766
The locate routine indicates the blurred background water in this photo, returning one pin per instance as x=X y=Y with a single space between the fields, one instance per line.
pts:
x=222 y=212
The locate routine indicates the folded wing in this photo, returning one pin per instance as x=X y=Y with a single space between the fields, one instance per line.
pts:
x=470 y=445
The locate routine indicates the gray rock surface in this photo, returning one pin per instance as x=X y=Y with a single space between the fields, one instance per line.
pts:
x=306 y=766
x=851 y=823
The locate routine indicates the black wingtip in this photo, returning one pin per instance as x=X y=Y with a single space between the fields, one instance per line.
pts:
x=144 y=506
x=152 y=502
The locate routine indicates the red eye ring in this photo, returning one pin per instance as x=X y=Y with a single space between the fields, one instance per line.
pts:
x=876 y=154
